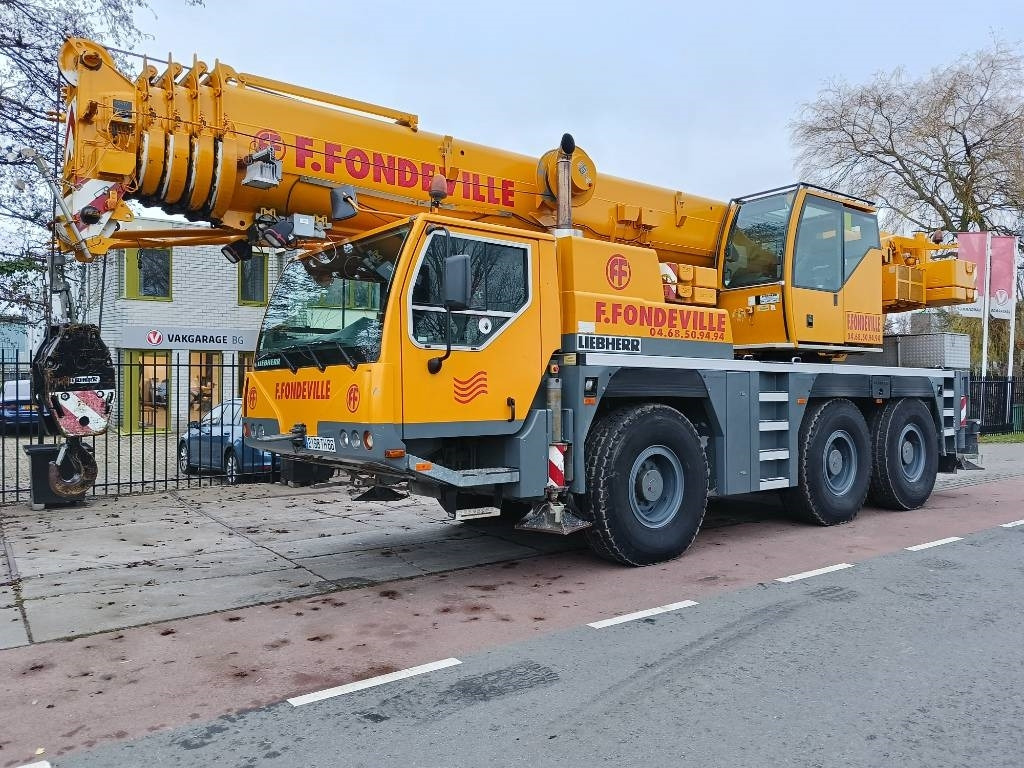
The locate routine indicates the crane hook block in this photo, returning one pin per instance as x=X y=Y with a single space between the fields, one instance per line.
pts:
x=74 y=380
x=83 y=470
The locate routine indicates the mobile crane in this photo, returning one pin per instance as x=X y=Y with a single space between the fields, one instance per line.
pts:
x=584 y=352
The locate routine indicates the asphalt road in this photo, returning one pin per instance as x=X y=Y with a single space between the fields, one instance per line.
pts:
x=913 y=658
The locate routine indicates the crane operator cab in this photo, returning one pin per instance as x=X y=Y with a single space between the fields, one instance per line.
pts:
x=801 y=269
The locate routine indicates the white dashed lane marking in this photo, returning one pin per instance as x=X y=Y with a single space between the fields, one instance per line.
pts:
x=1014 y=524
x=816 y=572
x=371 y=682
x=641 y=614
x=930 y=544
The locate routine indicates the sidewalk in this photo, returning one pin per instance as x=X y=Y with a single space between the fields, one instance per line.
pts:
x=121 y=562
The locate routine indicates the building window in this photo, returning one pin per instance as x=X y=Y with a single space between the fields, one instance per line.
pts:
x=205 y=369
x=149 y=408
x=148 y=274
x=252 y=280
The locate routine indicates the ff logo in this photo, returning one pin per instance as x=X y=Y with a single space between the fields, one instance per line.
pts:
x=618 y=272
x=269 y=138
x=252 y=398
x=154 y=337
x=352 y=398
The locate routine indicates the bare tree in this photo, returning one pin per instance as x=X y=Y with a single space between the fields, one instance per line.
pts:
x=31 y=34
x=940 y=151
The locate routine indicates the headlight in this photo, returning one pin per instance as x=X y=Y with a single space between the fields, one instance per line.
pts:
x=355 y=439
x=344 y=439
x=368 y=440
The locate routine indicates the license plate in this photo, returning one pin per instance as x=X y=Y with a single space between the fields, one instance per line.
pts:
x=320 y=444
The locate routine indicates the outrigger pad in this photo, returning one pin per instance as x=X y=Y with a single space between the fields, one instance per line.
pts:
x=74 y=380
x=381 y=493
x=552 y=517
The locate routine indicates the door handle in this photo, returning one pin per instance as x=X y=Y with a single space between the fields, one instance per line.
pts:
x=511 y=403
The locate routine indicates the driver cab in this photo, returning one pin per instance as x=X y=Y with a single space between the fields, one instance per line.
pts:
x=797 y=264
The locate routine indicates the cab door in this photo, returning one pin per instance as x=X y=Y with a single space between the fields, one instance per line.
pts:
x=816 y=307
x=488 y=383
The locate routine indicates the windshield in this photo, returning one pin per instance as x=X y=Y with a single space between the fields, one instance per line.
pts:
x=757 y=241
x=328 y=309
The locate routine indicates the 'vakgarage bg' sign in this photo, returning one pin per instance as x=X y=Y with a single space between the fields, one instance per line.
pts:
x=177 y=337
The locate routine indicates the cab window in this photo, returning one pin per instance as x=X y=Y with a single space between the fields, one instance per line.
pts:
x=818 y=261
x=860 y=234
x=499 y=290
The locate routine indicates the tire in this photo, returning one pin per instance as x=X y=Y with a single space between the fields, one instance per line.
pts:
x=185 y=466
x=835 y=464
x=905 y=455
x=232 y=469
x=647 y=485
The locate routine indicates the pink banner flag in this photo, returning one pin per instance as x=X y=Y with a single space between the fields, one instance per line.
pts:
x=1004 y=263
x=972 y=248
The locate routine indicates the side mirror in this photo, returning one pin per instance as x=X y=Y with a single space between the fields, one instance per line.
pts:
x=457 y=281
x=193 y=425
x=343 y=203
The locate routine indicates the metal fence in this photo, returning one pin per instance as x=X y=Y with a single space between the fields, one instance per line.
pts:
x=161 y=404
x=998 y=403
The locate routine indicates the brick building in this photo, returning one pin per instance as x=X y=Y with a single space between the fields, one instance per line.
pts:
x=181 y=324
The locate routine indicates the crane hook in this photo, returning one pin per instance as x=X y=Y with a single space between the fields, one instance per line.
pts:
x=82 y=462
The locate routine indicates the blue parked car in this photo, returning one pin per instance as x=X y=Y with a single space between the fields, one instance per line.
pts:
x=216 y=442
x=17 y=410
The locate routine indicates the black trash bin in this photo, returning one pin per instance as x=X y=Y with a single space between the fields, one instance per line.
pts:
x=40 y=456
x=295 y=472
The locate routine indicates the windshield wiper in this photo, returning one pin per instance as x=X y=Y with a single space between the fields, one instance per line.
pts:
x=348 y=358
x=319 y=363
x=290 y=363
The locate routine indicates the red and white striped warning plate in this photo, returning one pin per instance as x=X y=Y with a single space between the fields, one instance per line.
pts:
x=84 y=411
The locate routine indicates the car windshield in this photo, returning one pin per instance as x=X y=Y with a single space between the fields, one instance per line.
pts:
x=757 y=241
x=328 y=309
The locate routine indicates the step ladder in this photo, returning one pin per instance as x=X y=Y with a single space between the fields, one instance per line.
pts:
x=773 y=439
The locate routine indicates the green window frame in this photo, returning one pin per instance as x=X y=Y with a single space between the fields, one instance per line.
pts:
x=253 y=281
x=144 y=278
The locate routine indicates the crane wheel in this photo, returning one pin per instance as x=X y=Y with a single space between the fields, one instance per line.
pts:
x=905 y=455
x=647 y=485
x=835 y=464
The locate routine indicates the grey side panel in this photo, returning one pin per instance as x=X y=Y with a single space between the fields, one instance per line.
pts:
x=739 y=474
x=528 y=451
x=863 y=385
x=630 y=382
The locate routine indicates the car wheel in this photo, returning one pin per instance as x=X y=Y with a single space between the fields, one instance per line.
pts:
x=232 y=470
x=184 y=460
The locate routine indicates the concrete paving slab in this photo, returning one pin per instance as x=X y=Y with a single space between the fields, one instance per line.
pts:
x=273 y=535
x=92 y=518
x=236 y=562
x=374 y=538
x=12 y=629
x=6 y=597
x=360 y=568
x=67 y=615
x=94 y=547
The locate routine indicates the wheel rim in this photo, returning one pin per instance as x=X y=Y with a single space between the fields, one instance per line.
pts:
x=656 y=486
x=839 y=462
x=183 y=459
x=232 y=470
x=912 y=452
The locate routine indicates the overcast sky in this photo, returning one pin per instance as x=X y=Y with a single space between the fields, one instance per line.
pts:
x=694 y=96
